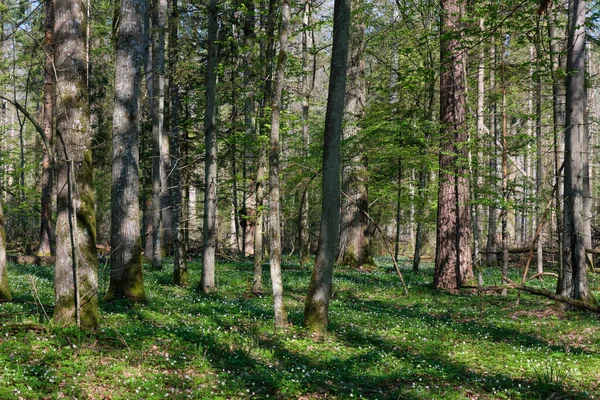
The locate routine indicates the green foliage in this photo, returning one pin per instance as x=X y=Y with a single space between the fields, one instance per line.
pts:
x=381 y=344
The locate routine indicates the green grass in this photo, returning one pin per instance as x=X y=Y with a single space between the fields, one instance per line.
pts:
x=381 y=344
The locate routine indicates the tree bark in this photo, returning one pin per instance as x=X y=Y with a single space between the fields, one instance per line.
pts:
x=319 y=291
x=4 y=286
x=207 y=282
x=180 y=272
x=354 y=248
x=126 y=275
x=268 y=52
x=490 y=247
x=159 y=19
x=274 y=170
x=303 y=234
x=76 y=270
x=453 y=262
x=573 y=278
x=45 y=247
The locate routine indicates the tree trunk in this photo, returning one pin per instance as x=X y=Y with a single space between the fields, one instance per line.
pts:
x=303 y=234
x=274 y=170
x=558 y=123
x=354 y=248
x=573 y=278
x=45 y=248
x=207 y=282
x=159 y=19
x=4 y=287
x=319 y=291
x=490 y=247
x=126 y=275
x=76 y=270
x=180 y=272
x=453 y=262
x=267 y=53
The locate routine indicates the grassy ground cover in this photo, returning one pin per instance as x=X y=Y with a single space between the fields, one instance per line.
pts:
x=382 y=344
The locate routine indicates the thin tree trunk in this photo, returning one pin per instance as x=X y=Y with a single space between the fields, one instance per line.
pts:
x=303 y=233
x=76 y=268
x=319 y=291
x=504 y=209
x=45 y=248
x=207 y=282
x=539 y=169
x=126 y=276
x=558 y=119
x=268 y=54
x=453 y=261
x=490 y=247
x=4 y=286
x=159 y=19
x=274 y=169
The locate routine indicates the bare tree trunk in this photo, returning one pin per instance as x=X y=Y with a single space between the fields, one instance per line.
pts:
x=268 y=54
x=159 y=20
x=453 y=261
x=558 y=119
x=354 y=237
x=504 y=209
x=76 y=270
x=539 y=170
x=4 y=287
x=573 y=278
x=180 y=272
x=207 y=282
x=126 y=275
x=490 y=247
x=319 y=291
x=303 y=233
x=274 y=169
x=45 y=248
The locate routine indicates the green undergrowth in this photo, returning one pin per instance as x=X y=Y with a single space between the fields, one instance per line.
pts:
x=381 y=344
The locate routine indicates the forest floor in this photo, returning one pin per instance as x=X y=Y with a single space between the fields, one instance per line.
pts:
x=381 y=345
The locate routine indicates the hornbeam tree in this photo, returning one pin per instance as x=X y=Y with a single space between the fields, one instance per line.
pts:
x=207 y=282
x=319 y=291
x=453 y=262
x=4 y=287
x=76 y=270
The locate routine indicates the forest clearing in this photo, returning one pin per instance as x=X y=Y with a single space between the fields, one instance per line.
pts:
x=381 y=344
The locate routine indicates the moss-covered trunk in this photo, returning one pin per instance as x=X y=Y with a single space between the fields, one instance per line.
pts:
x=76 y=272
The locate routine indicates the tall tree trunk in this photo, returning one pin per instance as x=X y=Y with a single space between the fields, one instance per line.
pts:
x=4 y=287
x=207 y=282
x=504 y=208
x=573 y=278
x=490 y=248
x=267 y=53
x=354 y=237
x=303 y=234
x=558 y=123
x=45 y=248
x=76 y=270
x=319 y=291
x=126 y=275
x=159 y=20
x=180 y=272
x=539 y=168
x=274 y=169
x=453 y=261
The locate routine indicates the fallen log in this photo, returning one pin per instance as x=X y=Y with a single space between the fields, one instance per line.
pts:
x=31 y=260
x=539 y=292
